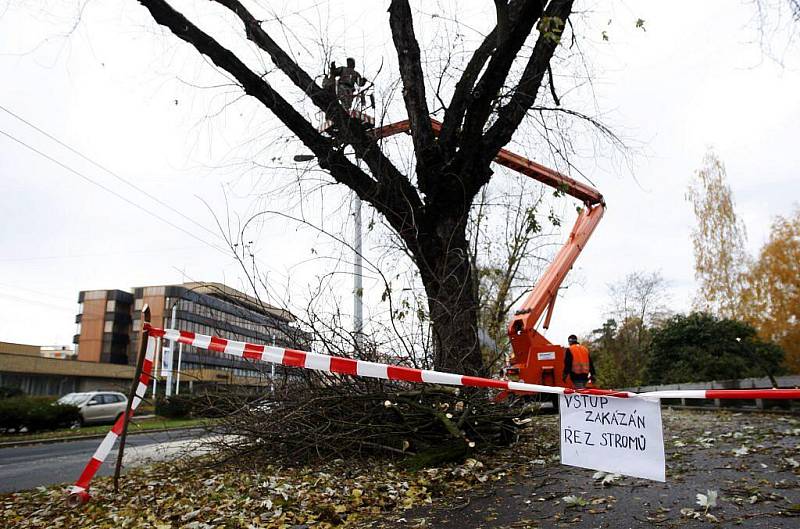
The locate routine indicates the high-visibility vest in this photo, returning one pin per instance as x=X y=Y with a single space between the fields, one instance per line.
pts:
x=580 y=359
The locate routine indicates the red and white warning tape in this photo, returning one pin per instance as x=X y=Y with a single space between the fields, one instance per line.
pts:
x=348 y=366
x=105 y=447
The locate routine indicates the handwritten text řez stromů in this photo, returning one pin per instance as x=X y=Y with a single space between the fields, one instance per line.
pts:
x=612 y=440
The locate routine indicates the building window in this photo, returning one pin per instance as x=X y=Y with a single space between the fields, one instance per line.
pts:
x=154 y=291
x=94 y=294
x=111 y=305
x=108 y=327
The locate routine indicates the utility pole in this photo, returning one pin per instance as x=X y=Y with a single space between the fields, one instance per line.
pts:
x=358 y=288
x=272 y=371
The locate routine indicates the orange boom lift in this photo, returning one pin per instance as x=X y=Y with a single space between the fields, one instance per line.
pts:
x=533 y=358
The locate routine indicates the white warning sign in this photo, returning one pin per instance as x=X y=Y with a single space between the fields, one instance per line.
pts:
x=613 y=434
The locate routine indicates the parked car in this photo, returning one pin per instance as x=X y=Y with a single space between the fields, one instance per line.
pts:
x=97 y=406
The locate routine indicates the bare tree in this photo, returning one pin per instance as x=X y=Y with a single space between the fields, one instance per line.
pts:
x=638 y=302
x=429 y=211
x=640 y=295
x=511 y=231
x=777 y=23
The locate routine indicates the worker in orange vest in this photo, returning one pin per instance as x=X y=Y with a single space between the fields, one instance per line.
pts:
x=577 y=363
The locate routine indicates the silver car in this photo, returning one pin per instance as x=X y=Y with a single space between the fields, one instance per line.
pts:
x=97 y=406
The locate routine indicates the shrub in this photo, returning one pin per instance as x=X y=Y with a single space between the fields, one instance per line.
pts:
x=12 y=413
x=699 y=347
x=175 y=407
x=216 y=404
x=7 y=392
x=35 y=414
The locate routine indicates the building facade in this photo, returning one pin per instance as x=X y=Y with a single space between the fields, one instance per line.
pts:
x=109 y=322
x=104 y=326
x=52 y=371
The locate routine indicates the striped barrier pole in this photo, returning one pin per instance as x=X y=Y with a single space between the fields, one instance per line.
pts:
x=78 y=493
x=144 y=335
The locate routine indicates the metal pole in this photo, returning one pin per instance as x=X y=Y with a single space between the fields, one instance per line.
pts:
x=358 y=289
x=167 y=355
x=156 y=363
x=178 y=375
x=272 y=372
x=143 y=338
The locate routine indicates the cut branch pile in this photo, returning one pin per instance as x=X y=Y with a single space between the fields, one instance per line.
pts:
x=424 y=426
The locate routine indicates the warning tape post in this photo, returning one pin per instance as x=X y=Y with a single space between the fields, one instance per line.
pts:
x=645 y=404
x=82 y=485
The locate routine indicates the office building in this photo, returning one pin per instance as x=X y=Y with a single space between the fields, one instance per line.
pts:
x=109 y=322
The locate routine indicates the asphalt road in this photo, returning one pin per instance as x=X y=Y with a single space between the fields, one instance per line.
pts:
x=750 y=460
x=31 y=466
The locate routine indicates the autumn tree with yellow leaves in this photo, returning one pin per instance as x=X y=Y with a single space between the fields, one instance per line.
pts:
x=764 y=292
x=771 y=298
x=721 y=260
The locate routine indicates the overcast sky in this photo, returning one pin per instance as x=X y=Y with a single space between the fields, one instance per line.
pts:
x=120 y=92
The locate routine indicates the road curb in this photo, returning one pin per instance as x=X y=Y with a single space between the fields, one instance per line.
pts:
x=14 y=444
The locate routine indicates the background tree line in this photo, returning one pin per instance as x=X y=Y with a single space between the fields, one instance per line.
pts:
x=745 y=320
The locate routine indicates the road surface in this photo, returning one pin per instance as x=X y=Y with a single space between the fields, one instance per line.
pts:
x=31 y=466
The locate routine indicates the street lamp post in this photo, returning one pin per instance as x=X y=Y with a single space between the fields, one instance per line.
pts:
x=358 y=287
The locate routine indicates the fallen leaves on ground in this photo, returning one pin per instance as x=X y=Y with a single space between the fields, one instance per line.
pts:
x=524 y=486
x=197 y=496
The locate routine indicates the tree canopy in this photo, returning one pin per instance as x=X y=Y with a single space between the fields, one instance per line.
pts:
x=772 y=295
x=718 y=240
x=622 y=345
x=700 y=347
x=428 y=207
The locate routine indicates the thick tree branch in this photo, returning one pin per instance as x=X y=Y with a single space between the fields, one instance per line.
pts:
x=469 y=163
x=492 y=80
x=503 y=20
x=462 y=95
x=351 y=130
x=552 y=84
x=408 y=55
x=389 y=197
x=512 y=113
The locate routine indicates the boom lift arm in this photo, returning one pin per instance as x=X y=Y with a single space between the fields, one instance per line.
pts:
x=534 y=359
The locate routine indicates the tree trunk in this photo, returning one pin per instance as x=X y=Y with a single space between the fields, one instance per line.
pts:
x=447 y=276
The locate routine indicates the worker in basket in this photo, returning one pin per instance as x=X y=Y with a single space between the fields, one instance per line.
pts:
x=343 y=80
x=578 y=364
